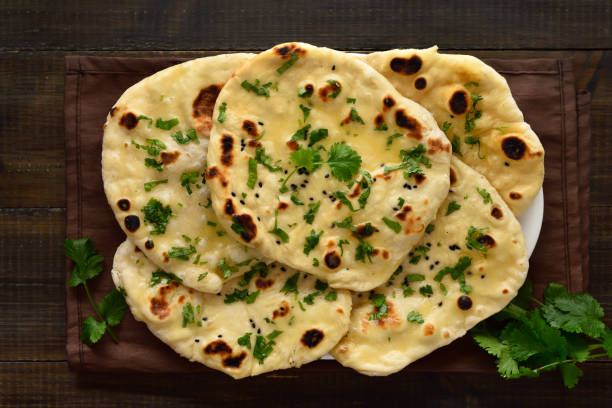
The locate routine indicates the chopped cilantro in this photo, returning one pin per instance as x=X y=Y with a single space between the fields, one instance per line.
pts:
x=157 y=215
x=145 y=118
x=354 y=116
x=312 y=241
x=245 y=340
x=315 y=262
x=152 y=184
x=312 y=211
x=305 y=111
x=383 y=127
x=426 y=290
x=411 y=161
x=391 y=138
x=472 y=114
x=189 y=178
x=265 y=160
x=430 y=228
x=252 y=173
x=280 y=70
x=303 y=93
x=351 y=100
x=222 y=108
x=446 y=126
x=159 y=275
x=502 y=129
x=256 y=88
x=181 y=253
x=202 y=276
x=190 y=135
x=472 y=238
x=153 y=146
x=337 y=86
x=226 y=268
x=290 y=285
x=341 y=243
x=278 y=231
x=188 y=316
x=317 y=135
x=166 y=124
x=264 y=345
x=395 y=226
x=415 y=317
x=452 y=207
x=331 y=296
x=300 y=134
x=380 y=307
x=486 y=197
x=456 y=145
x=474 y=140
x=159 y=166
x=296 y=200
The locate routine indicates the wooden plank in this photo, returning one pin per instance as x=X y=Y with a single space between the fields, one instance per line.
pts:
x=344 y=24
x=46 y=384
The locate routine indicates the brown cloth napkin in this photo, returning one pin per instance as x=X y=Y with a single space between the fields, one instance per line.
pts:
x=544 y=90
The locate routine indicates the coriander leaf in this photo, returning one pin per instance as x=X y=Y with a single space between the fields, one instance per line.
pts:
x=245 y=340
x=188 y=316
x=262 y=158
x=278 y=231
x=312 y=241
x=281 y=70
x=331 y=296
x=308 y=158
x=264 y=345
x=305 y=93
x=395 y=226
x=87 y=263
x=446 y=126
x=296 y=200
x=226 y=268
x=452 y=207
x=430 y=228
x=507 y=366
x=426 y=290
x=113 y=306
x=309 y=300
x=351 y=100
x=93 y=331
x=343 y=161
x=490 y=343
x=312 y=211
x=202 y=275
x=159 y=166
x=166 y=124
x=222 y=108
x=341 y=244
x=189 y=178
x=152 y=184
x=577 y=347
x=486 y=197
x=607 y=342
x=156 y=214
x=181 y=253
x=290 y=285
x=315 y=262
x=159 y=275
x=236 y=296
x=256 y=88
x=472 y=114
x=473 y=237
x=252 y=173
x=415 y=317
x=364 y=250
x=190 y=135
x=145 y=118
x=301 y=134
x=380 y=307
x=317 y=135
x=337 y=88
x=305 y=111
x=570 y=374
x=354 y=116
x=250 y=299
x=456 y=145
x=382 y=128
x=321 y=286
x=391 y=138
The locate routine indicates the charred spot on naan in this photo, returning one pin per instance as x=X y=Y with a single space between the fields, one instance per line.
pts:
x=406 y=66
x=496 y=212
x=420 y=83
x=249 y=227
x=388 y=103
x=263 y=284
x=329 y=88
x=159 y=308
x=217 y=347
x=250 y=128
x=311 y=338
x=234 y=361
x=282 y=311
x=169 y=157
x=283 y=205
x=227 y=145
x=408 y=122
x=332 y=260
x=437 y=146
x=458 y=103
x=453 y=177
x=515 y=196
x=419 y=178
x=123 y=204
x=112 y=111
x=286 y=50
x=128 y=120
x=402 y=214
x=203 y=106
x=132 y=223
x=487 y=241
x=214 y=172
x=513 y=147
x=464 y=302
x=293 y=145
x=229 y=208
x=365 y=230
x=379 y=120
x=428 y=329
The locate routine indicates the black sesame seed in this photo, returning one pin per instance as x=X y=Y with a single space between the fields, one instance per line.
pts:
x=427 y=258
x=253 y=325
x=429 y=245
x=440 y=304
x=431 y=267
x=437 y=262
x=294 y=187
x=333 y=199
x=482 y=276
x=305 y=276
x=303 y=185
x=374 y=179
x=359 y=295
x=286 y=172
x=258 y=219
x=301 y=170
x=306 y=181
x=311 y=199
x=506 y=164
x=324 y=192
x=454 y=247
x=395 y=209
x=415 y=187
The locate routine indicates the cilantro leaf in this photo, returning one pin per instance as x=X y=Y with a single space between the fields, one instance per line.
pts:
x=456 y=145
x=226 y=268
x=313 y=208
x=391 y=138
x=307 y=158
x=305 y=111
x=152 y=184
x=472 y=240
x=113 y=307
x=188 y=315
x=93 y=331
x=452 y=207
x=181 y=253
x=245 y=340
x=262 y=158
x=252 y=179
x=331 y=296
x=343 y=161
x=265 y=345
x=256 y=88
x=312 y=241
x=570 y=374
x=222 y=109
x=395 y=226
x=337 y=88
x=87 y=263
x=284 y=237
x=158 y=215
x=379 y=301
x=415 y=317
x=300 y=134
x=166 y=124
x=486 y=197
x=290 y=285
x=317 y=135
x=281 y=70
x=189 y=178
x=159 y=275
x=190 y=135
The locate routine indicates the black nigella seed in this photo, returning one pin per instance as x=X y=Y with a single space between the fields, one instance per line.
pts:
x=395 y=209
x=429 y=245
x=260 y=123
x=431 y=267
x=258 y=219
x=204 y=319
x=327 y=176
x=374 y=179
x=256 y=195
x=440 y=304
x=306 y=181
x=427 y=258
x=242 y=202
x=260 y=184
x=258 y=331
x=482 y=276
x=464 y=302
x=437 y=262
x=197 y=340
x=333 y=67
x=233 y=194
x=301 y=170
x=283 y=269
x=302 y=185
x=324 y=192
x=286 y=172
x=311 y=199
x=454 y=247
x=415 y=186
x=220 y=336
x=305 y=276
x=506 y=164
x=333 y=199
x=277 y=242
x=253 y=325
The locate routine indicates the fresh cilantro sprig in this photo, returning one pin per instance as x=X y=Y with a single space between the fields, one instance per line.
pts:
x=365 y=185
x=364 y=249
x=265 y=345
x=564 y=330
x=472 y=239
x=112 y=307
x=411 y=161
x=379 y=301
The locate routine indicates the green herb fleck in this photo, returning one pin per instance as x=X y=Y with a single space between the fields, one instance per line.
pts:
x=280 y=70
x=452 y=207
x=152 y=184
x=156 y=214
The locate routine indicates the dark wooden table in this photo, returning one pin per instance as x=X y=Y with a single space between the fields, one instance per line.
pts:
x=36 y=35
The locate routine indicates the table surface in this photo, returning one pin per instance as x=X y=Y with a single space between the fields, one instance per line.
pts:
x=36 y=35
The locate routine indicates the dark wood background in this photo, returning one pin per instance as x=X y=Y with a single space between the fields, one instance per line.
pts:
x=36 y=35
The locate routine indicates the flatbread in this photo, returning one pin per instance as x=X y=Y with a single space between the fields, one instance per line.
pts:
x=187 y=93
x=204 y=328
x=499 y=144
x=278 y=105
x=387 y=344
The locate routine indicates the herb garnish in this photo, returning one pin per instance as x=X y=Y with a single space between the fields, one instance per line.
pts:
x=189 y=178
x=280 y=70
x=112 y=307
x=188 y=316
x=415 y=317
x=152 y=184
x=262 y=158
x=395 y=226
x=351 y=100
x=383 y=127
x=366 y=184
x=364 y=249
x=456 y=145
x=426 y=290
x=155 y=146
x=317 y=135
x=290 y=285
x=411 y=161
x=145 y=118
x=256 y=88
x=312 y=241
x=411 y=277
x=278 y=231
x=226 y=268
x=190 y=135
x=341 y=244
x=181 y=253
x=264 y=345
x=354 y=116
x=252 y=173
x=338 y=88
x=414 y=259
x=303 y=93
x=457 y=273
x=380 y=307
x=159 y=166
x=240 y=295
x=390 y=139
x=166 y=124
x=222 y=108
x=156 y=214
x=245 y=340
x=300 y=134
x=452 y=207
x=296 y=200
x=312 y=211
x=486 y=197
x=430 y=228
x=474 y=140
x=472 y=114
x=473 y=235
x=331 y=296
x=305 y=111
x=159 y=275
x=558 y=334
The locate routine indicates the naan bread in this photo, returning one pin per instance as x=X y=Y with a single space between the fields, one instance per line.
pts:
x=204 y=328
x=173 y=222
x=296 y=105
x=489 y=134
x=478 y=283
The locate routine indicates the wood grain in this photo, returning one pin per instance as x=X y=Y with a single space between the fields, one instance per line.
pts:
x=35 y=37
x=344 y=24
